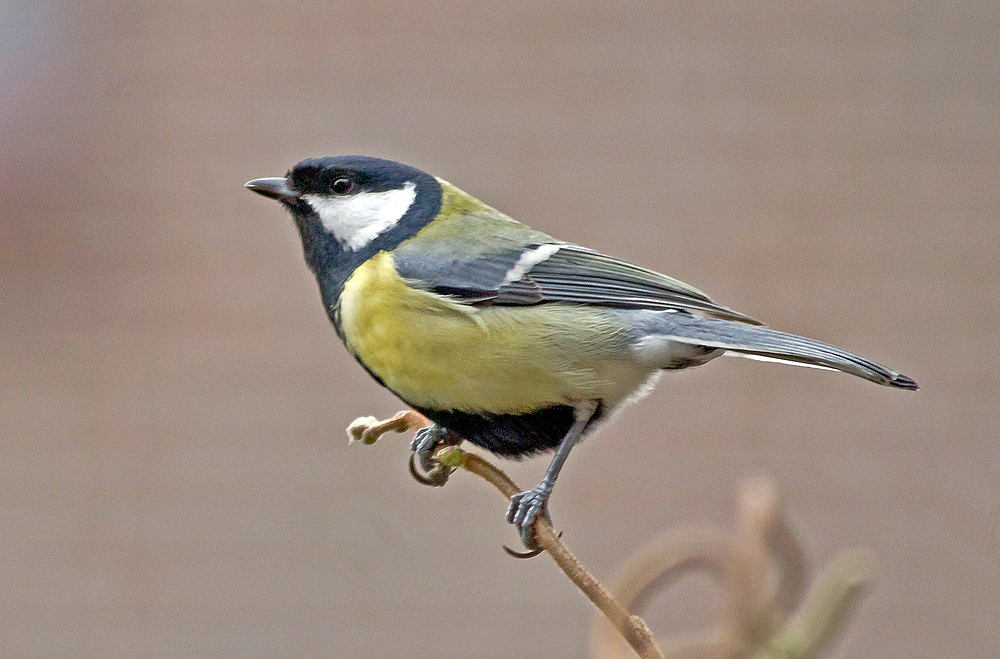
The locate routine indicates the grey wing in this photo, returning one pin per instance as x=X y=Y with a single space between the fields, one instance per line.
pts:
x=554 y=272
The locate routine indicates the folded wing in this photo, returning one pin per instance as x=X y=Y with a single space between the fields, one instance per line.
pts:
x=554 y=272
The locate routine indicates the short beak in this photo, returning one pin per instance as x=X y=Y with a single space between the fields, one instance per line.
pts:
x=275 y=188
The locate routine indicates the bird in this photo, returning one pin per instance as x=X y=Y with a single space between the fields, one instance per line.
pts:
x=500 y=334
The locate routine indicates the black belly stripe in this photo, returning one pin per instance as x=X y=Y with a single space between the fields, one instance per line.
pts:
x=510 y=435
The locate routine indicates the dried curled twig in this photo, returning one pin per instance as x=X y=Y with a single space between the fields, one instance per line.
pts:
x=757 y=620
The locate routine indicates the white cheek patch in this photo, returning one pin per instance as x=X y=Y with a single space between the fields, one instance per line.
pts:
x=356 y=220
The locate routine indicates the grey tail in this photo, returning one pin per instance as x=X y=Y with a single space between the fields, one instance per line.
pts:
x=771 y=345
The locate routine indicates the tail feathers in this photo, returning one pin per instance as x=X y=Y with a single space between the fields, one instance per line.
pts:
x=772 y=345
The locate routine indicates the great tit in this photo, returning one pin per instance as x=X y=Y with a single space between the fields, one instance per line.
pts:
x=500 y=334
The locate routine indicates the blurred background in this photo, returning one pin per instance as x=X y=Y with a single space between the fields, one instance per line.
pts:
x=174 y=475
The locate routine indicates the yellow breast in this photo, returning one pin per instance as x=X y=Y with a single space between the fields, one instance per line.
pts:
x=434 y=352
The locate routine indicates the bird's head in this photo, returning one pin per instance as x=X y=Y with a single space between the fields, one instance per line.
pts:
x=347 y=206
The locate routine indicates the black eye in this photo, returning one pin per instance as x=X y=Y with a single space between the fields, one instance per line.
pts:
x=342 y=186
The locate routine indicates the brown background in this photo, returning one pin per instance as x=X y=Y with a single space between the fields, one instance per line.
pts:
x=174 y=475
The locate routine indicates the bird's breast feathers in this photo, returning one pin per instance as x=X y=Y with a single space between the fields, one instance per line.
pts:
x=438 y=353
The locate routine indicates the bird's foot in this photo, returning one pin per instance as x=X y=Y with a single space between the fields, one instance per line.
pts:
x=524 y=509
x=424 y=443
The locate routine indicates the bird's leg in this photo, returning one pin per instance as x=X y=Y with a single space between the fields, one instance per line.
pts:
x=424 y=443
x=525 y=506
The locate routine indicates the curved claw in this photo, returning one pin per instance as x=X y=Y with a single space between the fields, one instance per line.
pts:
x=531 y=553
x=417 y=476
x=435 y=477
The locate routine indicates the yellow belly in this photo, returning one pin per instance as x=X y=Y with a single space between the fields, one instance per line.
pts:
x=436 y=353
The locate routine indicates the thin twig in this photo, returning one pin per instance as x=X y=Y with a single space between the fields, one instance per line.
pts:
x=632 y=628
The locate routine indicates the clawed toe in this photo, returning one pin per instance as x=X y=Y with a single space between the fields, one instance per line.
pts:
x=435 y=477
x=423 y=445
x=522 y=512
